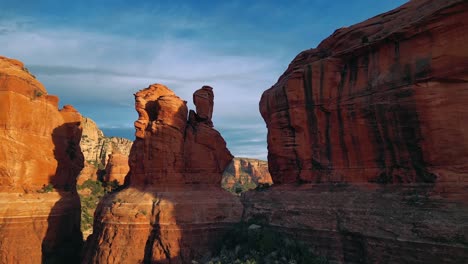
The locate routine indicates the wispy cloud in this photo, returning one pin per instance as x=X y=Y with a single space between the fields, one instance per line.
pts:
x=90 y=72
x=95 y=55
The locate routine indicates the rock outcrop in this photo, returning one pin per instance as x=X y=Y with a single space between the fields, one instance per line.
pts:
x=380 y=101
x=367 y=142
x=40 y=158
x=116 y=168
x=244 y=174
x=97 y=149
x=173 y=207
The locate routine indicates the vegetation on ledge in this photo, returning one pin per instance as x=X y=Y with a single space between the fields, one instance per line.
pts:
x=251 y=243
x=91 y=193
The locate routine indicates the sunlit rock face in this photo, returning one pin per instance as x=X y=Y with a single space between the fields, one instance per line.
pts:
x=246 y=173
x=367 y=142
x=380 y=101
x=173 y=208
x=40 y=159
x=97 y=150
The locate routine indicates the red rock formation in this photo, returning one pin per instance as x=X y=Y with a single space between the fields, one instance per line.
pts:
x=173 y=207
x=117 y=168
x=246 y=172
x=380 y=102
x=39 y=149
x=203 y=100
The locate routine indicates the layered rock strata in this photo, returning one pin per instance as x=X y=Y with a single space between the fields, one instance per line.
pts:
x=173 y=208
x=367 y=142
x=380 y=101
x=353 y=224
x=40 y=158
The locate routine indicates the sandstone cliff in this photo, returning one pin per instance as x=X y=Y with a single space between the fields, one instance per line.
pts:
x=173 y=208
x=97 y=148
x=380 y=101
x=243 y=174
x=367 y=142
x=40 y=158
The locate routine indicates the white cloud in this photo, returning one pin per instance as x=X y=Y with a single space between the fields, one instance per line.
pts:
x=85 y=68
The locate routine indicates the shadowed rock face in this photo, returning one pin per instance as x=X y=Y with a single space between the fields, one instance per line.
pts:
x=380 y=101
x=367 y=142
x=173 y=207
x=40 y=158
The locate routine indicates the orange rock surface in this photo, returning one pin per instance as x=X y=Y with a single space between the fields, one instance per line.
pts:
x=173 y=208
x=203 y=99
x=367 y=140
x=39 y=149
x=116 y=168
x=380 y=101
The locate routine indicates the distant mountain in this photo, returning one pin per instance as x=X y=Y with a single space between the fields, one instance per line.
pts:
x=97 y=148
x=244 y=174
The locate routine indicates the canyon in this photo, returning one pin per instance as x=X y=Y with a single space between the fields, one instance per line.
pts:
x=367 y=155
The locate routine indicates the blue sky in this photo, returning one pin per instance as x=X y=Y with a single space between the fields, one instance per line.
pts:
x=96 y=54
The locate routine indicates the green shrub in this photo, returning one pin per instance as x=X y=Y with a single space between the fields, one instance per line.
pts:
x=251 y=243
x=112 y=186
x=95 y=187
x=46 y=188
x=89 y=202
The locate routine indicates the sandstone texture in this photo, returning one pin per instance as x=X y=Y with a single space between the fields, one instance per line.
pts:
x=40 y=158
x=246 y=174
x=380 y=101
x=367 y=142
x=355 y=224
x=173 y=208
x=97 y=149
x=116 y=168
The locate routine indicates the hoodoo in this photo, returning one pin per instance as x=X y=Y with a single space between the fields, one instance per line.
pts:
x=173 y=207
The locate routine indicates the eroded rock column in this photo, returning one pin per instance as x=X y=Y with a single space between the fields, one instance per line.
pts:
x=173 y=208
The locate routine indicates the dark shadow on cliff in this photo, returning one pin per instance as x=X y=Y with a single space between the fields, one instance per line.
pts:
x=63 y=240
